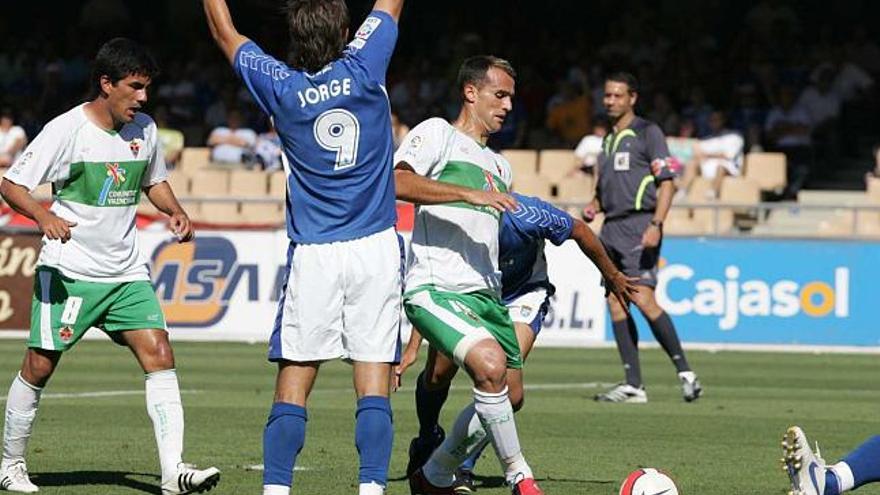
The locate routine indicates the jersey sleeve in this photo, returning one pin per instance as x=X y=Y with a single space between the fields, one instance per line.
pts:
x=156 y=168
x=373 y=44
x=45 y=158
x=262 y=74
x=541 y=220
x=658 y=154
x=423 y=147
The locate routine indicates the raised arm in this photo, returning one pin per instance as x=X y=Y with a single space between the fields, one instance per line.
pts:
x=223 y=31
x=616 y=282
x=391 y=7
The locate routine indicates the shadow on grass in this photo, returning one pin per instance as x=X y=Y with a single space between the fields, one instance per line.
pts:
x=110 y=478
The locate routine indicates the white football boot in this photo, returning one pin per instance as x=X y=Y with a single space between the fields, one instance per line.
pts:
x=14 y=478
x=805 y=469
x=690 y=386
x=190 y=480
x=624 y=393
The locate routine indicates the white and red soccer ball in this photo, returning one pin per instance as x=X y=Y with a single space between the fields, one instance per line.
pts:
x=648 y=481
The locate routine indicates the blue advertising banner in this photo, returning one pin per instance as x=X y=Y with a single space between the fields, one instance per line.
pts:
x=761 y=291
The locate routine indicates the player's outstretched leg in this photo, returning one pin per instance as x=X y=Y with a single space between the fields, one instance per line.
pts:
x=166 y=412
x=859 y=467
x=21 y=410
x=283 y=439
x=431 y=435
x=374 y=435
x=805 y=469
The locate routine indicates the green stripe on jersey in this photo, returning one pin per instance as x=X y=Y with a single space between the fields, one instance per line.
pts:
x=470 y=175
x=110 y=184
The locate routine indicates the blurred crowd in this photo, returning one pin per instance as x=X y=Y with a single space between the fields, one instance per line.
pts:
x=797 y=77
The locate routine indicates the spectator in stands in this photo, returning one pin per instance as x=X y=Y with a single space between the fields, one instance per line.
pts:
x=682 y=147
x=268 y=149
x=232 y=143
x=748 y=115
x=664 y=114
x=698 y=111
x=822 y=104
x=568 y=114
x=720 y=154
x=172 y=140
x=587 y=151
x=788 y=131
x=12 y=138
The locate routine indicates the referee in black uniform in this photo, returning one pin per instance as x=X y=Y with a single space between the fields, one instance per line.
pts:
x=634 y=190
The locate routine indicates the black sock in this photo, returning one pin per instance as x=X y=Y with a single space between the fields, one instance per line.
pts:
x=664 y=332
x=428 y=406
x=627 y=337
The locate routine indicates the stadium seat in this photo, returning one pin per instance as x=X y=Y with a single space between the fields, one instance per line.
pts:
x=210 y=183
x=248 y=183
x=768 y=170
x=192 y=159
x=522 y=162
x=873 y=189
x=532 y=185
x=698 y=191
x=577 y=187
x=742 y=191
x=555 y=165
x=278 y=184
x=225 y=212
x=262 y=213
x=179 y=183
x=680 y=222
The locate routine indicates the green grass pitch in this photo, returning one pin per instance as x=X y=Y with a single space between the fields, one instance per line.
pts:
x=726 y=443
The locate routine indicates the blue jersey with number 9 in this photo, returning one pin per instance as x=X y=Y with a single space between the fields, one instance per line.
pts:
x=335 y=128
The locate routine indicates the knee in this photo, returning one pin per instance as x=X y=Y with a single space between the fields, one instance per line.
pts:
x=490 y=374
x=160 y=357
x=36 y=370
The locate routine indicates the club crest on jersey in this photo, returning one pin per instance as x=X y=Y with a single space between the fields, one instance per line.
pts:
x=65 y=334
x=135 y=147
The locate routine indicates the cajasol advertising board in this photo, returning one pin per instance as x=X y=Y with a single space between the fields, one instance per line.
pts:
x=762 y=291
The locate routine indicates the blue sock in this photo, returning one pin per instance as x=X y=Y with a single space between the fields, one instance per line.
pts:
x=373 y=436
x=832 y=485
x=471 y=461
x=865 y=462
x=428 y=406
x=283 y=439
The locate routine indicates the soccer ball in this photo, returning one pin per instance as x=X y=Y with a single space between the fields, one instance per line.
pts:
x=648 y=481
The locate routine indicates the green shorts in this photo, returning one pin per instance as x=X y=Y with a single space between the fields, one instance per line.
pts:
x=453 y=323
x=63 y=309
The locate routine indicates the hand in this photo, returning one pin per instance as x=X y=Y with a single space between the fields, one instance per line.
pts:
x=622 y=287
x=410 y=356
x=54 y=227
x=499 y=201
x=181 y=226
x=651 y=237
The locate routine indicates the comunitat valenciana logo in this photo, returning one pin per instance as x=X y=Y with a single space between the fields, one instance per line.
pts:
x=682 y=291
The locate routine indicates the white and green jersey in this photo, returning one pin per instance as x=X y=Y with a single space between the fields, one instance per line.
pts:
x=96 y=177
x=454 y=246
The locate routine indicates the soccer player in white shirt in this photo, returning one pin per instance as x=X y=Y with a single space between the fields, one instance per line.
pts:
x=453 y=280
x=99 y=157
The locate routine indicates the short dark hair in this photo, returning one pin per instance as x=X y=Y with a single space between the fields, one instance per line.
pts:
x=7 y=112
x=474 y=69
x=120 y=58
x=317 y=32
x=630 y=80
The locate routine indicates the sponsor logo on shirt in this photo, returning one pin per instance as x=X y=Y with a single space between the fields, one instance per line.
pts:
x=115 y=177
x=367 y=28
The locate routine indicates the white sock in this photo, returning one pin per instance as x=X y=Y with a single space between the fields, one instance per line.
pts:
x=166 y=412
x=844 y=476
x=371 y=489
x=276 y=490
x=21 y=410
x=466 y=434
x=496 y=414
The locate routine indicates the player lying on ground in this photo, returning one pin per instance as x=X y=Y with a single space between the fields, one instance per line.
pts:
x=99 y=157
x=526 y=292
x=809 y=475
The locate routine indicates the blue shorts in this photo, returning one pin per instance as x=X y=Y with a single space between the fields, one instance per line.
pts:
x=530 y=308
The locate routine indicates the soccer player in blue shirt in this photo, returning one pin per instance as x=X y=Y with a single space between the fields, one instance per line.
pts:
x=342 y=295
x=526 y=292
x=809 y=475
